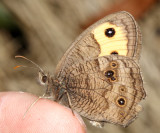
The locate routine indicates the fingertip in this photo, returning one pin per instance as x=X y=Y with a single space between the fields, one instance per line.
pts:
x=45 y=116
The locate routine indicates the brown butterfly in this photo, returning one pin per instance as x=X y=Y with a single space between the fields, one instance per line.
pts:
x=99 y=75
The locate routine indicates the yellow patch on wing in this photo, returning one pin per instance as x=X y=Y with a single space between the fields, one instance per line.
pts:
x=117 y=43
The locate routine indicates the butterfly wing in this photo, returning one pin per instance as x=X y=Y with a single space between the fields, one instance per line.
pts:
x=93 y=42
x=100 y=71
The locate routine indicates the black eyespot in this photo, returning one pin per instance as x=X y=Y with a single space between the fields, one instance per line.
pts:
x=114 y=53
x=110 y=32
x=122 y=89
x=121 y=101
x=109 y=73
x=44 y=79
x=113 y=78
x=114 y=64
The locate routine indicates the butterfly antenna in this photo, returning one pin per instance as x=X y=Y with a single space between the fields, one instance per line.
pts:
x=19 y=56
x=23 y=66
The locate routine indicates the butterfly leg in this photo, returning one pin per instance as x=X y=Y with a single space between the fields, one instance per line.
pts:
x=69 y=100
x=43 y=96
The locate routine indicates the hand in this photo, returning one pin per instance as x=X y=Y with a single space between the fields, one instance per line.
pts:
x=44 y=117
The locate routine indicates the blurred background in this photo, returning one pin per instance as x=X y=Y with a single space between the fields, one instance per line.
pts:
x=42 y=30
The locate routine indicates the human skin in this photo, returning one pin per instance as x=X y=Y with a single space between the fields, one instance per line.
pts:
x=45 y=116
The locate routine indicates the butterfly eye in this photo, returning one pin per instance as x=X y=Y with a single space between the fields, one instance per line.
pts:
x=109 y=73
x=44 y=79
x=110 y=32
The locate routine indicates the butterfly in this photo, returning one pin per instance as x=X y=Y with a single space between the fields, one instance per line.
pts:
x=99 y=75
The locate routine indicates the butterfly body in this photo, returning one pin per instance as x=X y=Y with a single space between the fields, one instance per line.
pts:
x=99 y=75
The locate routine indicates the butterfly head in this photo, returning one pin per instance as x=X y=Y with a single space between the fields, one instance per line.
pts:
x=44 y=78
